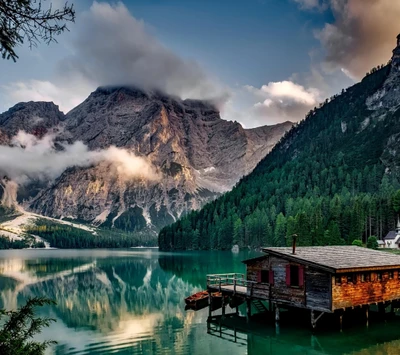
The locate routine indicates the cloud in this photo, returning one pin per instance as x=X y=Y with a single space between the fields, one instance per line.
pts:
x=112 y=47
x=361 y=36
x=63 y=95
x=312 y=4
x=282 y=101
x=30 y=158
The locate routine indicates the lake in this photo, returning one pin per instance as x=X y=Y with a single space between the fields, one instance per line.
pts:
x=132 y=302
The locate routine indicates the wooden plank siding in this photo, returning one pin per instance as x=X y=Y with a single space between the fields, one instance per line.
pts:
x=280 y=291
x=352 y=294
x=317 y=286
x=318 y=289
x=253 y=268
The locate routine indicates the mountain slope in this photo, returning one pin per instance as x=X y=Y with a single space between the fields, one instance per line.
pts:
x=196 y=155
x=331 y=179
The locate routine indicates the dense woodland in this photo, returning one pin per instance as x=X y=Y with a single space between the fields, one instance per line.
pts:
x=325 y=181
x=65 y=236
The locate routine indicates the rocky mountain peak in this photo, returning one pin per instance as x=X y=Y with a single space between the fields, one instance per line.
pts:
x=396 y=55
x=33 y=117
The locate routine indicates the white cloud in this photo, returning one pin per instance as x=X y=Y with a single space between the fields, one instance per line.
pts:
x=282 y=101
x=112 y=47
x=32 y=158
x=65 y=96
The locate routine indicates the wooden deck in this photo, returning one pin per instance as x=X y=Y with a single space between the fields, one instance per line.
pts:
x=240 y=290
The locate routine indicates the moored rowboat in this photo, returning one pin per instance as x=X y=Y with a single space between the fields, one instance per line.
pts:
x=199 y=300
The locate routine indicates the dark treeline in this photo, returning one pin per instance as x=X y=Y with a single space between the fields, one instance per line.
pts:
x=329 y=180
x=6 y=243
x=66 y=237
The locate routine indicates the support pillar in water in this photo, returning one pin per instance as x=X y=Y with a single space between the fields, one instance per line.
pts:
x=248 y=303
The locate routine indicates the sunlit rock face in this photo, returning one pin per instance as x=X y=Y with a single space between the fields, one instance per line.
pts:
x=196 y=154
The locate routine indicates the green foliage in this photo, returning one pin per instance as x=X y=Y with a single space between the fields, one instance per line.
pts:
x=29 y=20
x=67 y=237
x=372 y=242
x=324 y=181
x=357 y=242
x=6 y=243
x=396 y=201
x=21 y=326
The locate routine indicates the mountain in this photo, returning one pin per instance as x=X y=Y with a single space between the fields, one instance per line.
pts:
x=196 y=155
x=332 y=179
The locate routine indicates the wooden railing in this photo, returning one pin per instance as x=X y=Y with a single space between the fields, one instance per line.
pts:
x=236 y=280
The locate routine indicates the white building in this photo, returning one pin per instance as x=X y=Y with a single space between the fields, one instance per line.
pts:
x=392 y=239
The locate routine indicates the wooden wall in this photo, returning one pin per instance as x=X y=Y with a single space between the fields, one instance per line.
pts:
x=260 y=290
x=318 y=289
x=280 y=292
x=359 y=293
x=314 y=294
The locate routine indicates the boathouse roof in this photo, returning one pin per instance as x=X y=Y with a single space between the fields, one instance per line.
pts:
x=338 y=259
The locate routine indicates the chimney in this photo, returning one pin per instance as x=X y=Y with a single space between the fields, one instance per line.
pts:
x=294 y=237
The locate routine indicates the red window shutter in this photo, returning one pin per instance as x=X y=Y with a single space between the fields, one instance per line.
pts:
x=271 y=277
x=259 y=276
x=301 y=275
x=288 y=274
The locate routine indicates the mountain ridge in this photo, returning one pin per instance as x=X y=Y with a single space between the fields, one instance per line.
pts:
x=197 y=154
x=331 y=179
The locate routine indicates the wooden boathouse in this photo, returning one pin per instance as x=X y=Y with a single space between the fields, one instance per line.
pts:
x=330 y=279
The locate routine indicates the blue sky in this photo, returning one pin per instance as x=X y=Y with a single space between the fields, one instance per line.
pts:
x=264 y=61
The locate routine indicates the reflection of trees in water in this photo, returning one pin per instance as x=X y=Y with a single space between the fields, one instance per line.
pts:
x=381 y=337
x=193 y=267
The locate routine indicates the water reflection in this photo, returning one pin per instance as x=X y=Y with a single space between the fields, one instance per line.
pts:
x=117 y=301
x=132 y=302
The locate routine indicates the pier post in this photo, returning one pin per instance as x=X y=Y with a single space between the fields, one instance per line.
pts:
x=277 y=318
x=248 y=302
x=382 y=310
x=223 y=306
x=313 y=322
x=341 y=321
x=209 y=304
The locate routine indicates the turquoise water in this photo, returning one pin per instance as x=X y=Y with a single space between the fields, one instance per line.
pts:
x=132 y=302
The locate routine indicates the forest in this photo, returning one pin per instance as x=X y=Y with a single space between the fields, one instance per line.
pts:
x=64 y=236
x=328 y=180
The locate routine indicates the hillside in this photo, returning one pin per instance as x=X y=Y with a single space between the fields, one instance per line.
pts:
x=331 y=179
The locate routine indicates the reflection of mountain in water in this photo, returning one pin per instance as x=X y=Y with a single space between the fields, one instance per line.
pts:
x=117 y=297
x=132 y=303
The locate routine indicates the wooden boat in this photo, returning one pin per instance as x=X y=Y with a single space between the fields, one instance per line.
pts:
x=200 y=300
x=197 y=301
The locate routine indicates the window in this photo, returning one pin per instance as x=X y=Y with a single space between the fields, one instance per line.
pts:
x=367 y=277
x=338 y=280
x=378 y=276
x=294 y=275
x=390 y=274
x=265 y=276
x=362 y=277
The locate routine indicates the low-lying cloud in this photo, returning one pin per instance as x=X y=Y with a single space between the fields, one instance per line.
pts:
x=30 y=158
